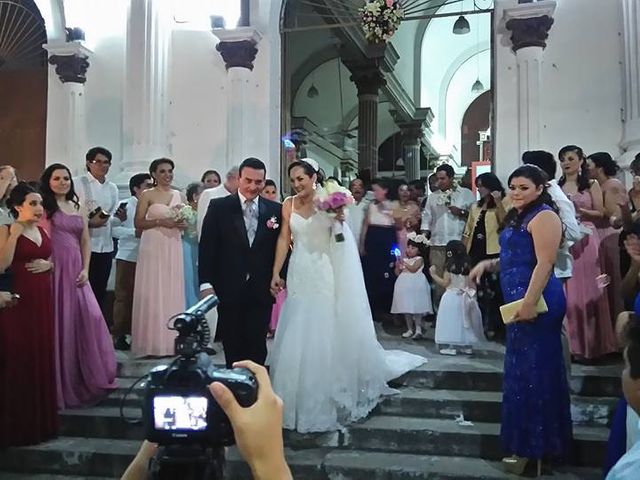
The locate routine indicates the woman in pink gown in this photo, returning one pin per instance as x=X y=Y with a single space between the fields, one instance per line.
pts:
x=85 y=358
x=604 y=169
x=159 y=286
x=588 y=320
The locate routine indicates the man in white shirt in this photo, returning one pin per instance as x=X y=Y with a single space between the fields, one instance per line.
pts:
x=443 y=219
x=100 y=197
x=229 y=187
x=566 y=210
x=357 y=210
x=628 y=467
x=126 y=259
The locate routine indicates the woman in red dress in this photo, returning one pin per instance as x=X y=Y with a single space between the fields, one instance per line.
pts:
x=28 y=410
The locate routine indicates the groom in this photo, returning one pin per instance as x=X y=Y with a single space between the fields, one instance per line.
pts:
x=236 y=254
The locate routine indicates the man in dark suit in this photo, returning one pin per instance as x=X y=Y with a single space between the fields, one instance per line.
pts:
x=236 y=254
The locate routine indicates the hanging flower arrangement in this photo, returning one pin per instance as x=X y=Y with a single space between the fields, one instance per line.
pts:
x=381 y=19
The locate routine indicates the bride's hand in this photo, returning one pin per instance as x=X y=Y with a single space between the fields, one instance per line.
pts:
x=277 y=285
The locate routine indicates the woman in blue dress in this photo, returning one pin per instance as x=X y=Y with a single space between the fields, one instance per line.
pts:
x=536 y=418
x=190 y=245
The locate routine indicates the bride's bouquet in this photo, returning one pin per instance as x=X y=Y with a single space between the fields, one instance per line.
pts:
x=332 y=199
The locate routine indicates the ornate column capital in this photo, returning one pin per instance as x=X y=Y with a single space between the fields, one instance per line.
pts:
x=368 y=79
x=238 y=47
x=71 y=60
x=529 y=23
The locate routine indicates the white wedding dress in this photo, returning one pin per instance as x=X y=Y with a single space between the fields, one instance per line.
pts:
x=326 y=362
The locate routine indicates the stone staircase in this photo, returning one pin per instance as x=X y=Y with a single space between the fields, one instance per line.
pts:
x=412 y=435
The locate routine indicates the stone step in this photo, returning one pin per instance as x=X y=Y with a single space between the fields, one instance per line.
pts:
x=483 y=406
x=76 y=458
x=445 y=437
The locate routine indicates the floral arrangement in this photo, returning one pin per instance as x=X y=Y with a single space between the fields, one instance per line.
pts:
x=380 y=19
x=332 y=199
x=186 y=213
x=447 y=198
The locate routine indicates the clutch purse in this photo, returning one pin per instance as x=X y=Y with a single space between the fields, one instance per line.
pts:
x=508 y=311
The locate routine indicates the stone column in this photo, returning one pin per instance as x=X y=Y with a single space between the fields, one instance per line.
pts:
x=412 y=134
x=238 y=48
x=146 y=102
x=71 y=61
x=368 y=80
x=529 y=24
x=630 y=143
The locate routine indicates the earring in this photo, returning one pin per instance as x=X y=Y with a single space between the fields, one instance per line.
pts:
x=315 y=185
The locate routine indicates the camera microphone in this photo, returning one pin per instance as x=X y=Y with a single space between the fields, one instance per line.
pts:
x=203 y=306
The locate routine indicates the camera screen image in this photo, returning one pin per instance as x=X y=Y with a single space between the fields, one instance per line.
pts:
x=180 y=413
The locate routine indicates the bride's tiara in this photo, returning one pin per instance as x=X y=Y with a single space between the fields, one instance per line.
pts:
x=313 y=163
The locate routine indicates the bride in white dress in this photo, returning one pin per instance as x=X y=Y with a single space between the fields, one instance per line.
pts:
x=326 y=362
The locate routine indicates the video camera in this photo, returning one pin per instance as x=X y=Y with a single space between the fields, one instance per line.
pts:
x=179 y=412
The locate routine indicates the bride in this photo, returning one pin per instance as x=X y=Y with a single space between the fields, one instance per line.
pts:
x=326 y=362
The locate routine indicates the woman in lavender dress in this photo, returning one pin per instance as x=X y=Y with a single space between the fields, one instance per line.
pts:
x=85 y=359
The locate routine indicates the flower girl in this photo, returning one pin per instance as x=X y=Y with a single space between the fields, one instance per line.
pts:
x=459 y=321
x=412 y=293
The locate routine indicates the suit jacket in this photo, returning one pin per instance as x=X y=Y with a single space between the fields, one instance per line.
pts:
x=239 y=272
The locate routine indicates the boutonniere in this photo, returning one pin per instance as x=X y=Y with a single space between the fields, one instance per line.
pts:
x=272 y=223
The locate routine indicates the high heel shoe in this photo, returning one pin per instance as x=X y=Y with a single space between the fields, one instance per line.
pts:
x=517 y=465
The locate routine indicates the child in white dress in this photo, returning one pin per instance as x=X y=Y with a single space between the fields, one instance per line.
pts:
x=412 y=292
x=459 y=321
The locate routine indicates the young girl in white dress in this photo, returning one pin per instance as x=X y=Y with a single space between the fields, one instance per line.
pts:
x=459 y=321
x=412 y=292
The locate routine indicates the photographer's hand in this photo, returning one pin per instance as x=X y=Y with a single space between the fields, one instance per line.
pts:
x=258 y=428
x=139 y=467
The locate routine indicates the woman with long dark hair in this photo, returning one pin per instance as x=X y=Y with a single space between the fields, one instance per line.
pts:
x=589 y=324
x=85 y=358
x=28 y=413
x=159 y=290
x=603 y=169
x=480 y=236
x=536 y=417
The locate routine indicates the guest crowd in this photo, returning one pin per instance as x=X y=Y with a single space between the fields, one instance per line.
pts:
x=450 y=256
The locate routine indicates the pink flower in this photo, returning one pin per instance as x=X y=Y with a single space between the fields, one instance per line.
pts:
x=272 y=223
x=390 y=3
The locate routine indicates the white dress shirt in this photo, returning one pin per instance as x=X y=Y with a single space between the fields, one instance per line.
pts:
x=104 y=195
x=436 y=217
x=126 y=234
x=628 y=467
x=572 y=231
x=355 y=217
x=205 y=198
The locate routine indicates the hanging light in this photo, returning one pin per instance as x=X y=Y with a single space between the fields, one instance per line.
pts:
x=461 y=26
x=313 y=91
x=477 y=86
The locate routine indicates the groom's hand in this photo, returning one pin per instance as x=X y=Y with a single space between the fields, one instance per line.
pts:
x=206 y=292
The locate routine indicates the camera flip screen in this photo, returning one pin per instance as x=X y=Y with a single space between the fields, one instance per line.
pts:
x=180 y=413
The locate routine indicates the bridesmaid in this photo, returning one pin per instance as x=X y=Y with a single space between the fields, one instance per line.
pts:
x=604 y=169
x=589 y=324
x=377 y=240
x=190 y=245
x=85 y=358
x=159 y=286
x=270 y=192
x=28 y=410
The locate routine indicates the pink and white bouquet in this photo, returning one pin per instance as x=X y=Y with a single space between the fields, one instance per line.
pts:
x=380 y=19
x=332 y=199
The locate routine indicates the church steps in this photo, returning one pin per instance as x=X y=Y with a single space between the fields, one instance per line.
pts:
x=76 y=458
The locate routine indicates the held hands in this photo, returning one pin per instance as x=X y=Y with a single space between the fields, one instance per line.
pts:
x=258 y=428
x=39 y=265
x=476 y=273
x=7 y=299
x=277 y=285
x=83 y=277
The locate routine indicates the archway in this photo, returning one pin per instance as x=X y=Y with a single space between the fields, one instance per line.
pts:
x=23 y=81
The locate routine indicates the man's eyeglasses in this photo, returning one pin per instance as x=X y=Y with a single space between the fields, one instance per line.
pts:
x=100 y=162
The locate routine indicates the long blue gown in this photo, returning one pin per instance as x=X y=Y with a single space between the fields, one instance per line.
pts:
x=536 y=416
